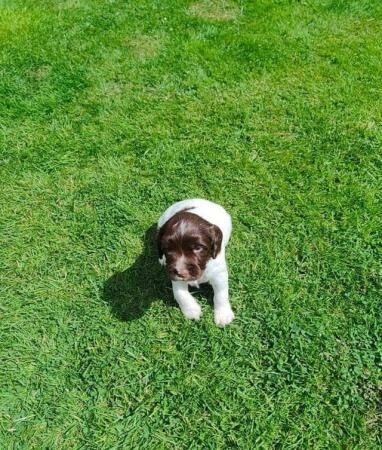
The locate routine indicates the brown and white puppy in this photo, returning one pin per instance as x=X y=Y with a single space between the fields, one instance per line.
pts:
x=192 y=236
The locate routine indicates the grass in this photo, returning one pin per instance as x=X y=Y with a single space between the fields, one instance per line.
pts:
x=112 y=110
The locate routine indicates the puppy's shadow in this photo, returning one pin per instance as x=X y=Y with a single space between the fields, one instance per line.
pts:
x=131 y=292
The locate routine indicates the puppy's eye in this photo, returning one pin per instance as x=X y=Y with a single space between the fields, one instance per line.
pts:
x=197 y=248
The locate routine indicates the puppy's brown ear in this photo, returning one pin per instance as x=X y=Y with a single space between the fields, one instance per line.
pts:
x=216 y=237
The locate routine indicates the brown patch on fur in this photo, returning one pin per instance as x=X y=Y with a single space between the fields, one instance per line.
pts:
x=215 y=10
x=192 y=239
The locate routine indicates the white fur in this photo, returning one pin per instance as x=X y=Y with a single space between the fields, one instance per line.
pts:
x=182 y=228
x=162 y=261
x=216 y=272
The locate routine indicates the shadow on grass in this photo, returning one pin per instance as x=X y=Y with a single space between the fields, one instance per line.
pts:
x=131 y=292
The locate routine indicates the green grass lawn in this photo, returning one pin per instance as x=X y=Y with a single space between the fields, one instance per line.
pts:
x=112 y=110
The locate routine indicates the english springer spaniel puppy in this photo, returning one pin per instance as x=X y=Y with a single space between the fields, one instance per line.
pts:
x=192 y=236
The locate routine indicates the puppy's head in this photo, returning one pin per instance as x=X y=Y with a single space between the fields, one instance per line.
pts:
x=185 y=243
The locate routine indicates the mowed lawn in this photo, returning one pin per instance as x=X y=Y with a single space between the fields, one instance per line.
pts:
x=112 y=110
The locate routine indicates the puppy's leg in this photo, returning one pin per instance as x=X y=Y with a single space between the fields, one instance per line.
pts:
x=223 y=313
x=186 y=301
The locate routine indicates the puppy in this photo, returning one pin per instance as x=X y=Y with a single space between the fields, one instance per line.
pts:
x=192 y=236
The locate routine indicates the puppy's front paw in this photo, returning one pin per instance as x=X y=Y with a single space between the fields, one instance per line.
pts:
x=223 y=316
x=192 y=312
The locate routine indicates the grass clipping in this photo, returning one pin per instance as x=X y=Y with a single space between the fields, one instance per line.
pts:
x=215 y=10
